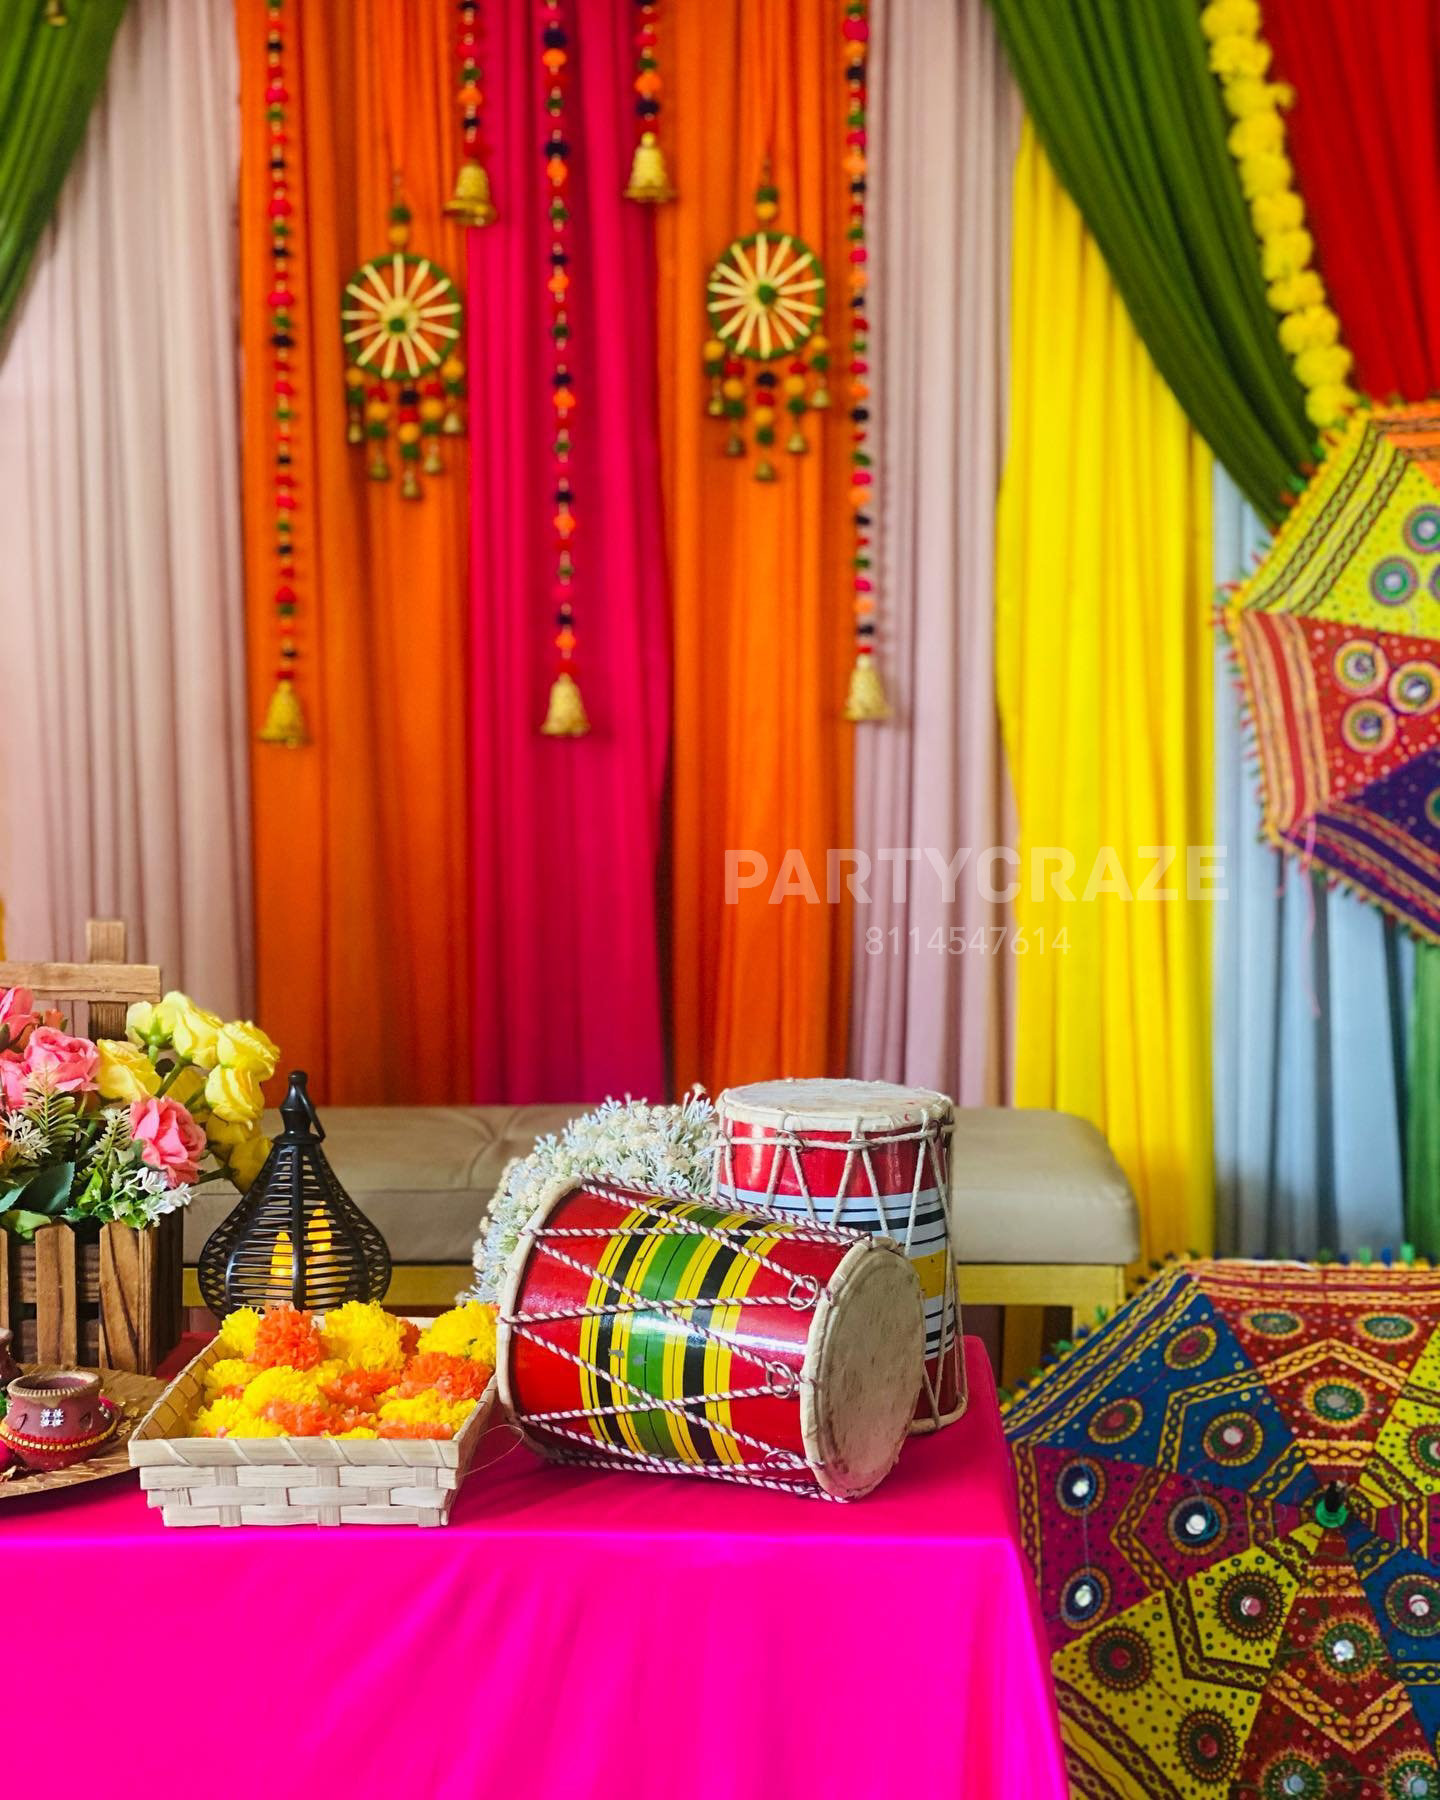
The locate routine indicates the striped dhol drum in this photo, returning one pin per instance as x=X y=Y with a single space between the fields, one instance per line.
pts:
x=868 y=1156
x=648 y=1331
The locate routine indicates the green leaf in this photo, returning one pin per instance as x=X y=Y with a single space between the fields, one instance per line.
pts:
x=24 y=1225
x=45 y=1193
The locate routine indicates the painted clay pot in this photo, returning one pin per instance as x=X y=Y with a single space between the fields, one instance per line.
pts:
x=56 y=1417
x=9 y=1368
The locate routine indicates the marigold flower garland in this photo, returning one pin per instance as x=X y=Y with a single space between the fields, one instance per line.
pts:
x=358 y=1373
x=1309 y=329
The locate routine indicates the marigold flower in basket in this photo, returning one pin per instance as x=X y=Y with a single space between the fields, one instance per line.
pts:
x=467 y=1330
x=358 y=1389
x=232 y=1418
x=453 y=1377
x=238 y=1331
x=295 y=1386
x=367 y=1337
x=289 y=1337
x=307 y=1419
x=229 y=1374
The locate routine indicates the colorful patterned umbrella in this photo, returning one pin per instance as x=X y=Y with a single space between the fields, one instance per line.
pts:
x=1338 y=637
x=1231 y=1498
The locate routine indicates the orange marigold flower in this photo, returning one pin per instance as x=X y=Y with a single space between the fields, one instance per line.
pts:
x=288 y=1337
x=301 y=1419
x=359 y=1388
x=415 y=1428
x=456 y=1377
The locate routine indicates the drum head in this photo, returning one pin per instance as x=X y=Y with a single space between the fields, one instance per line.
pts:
x=864 y=1361
x=830 y=1105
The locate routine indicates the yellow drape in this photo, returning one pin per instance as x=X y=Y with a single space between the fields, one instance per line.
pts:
x=1104 y=653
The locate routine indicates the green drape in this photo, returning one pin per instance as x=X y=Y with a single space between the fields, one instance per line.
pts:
x=49 y=77
x=1124 y=102
x=1422 y=1163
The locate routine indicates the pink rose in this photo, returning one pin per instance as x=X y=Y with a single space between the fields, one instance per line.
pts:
x=65 y=1064
x=17 y=1015
x=168 y=1137
x=14 y=1078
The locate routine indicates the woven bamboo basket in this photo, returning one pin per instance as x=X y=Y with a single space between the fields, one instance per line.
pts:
x=294 y=1481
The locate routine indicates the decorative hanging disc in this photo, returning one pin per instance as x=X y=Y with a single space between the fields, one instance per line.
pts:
x=766 y=295
x=401 y=316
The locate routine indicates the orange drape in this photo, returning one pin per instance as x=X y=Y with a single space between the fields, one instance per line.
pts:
x=360 y=863
x=762 y=758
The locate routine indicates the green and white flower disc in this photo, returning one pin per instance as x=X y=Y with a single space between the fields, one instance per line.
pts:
x=401 y=315
x=766 y=296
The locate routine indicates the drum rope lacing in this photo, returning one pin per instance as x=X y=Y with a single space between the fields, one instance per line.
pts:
x=790 y=1137
x=805 y=1293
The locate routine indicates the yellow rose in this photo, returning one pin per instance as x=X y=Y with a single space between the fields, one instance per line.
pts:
x=225 y=1136
x=248 y=1159
x=243 y=1045
x=196 y=1034
x=124 y=1072
x=188 y=1087
x=235 y=1095
x=150 y=1024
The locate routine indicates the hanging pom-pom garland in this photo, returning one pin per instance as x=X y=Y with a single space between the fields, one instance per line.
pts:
x=765 y=302
x=565 y=716
x=284 y=719
x=470 y=204
x=866 y=697
x=401 y=320
x=649 y=179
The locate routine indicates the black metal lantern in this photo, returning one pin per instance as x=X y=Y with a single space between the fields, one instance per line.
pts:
x=297 y=1237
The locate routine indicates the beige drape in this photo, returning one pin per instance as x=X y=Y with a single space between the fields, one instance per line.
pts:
x=945 y=120
x=122 y=752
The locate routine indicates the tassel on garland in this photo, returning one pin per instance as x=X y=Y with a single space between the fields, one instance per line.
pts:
x=284 y=719
x=866 y=698
x=566 y=714
x=649 y=179
x=470 y=204
x=55 y=13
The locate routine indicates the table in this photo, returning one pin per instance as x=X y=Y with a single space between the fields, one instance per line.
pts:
x=572 y=1633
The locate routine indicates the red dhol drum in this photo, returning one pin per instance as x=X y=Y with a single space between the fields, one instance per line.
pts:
x=869 y=1156
x=649 y=1331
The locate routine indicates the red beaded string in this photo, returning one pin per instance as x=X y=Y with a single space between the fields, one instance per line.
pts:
x=566 y=714
x=470 y=203
x=649 y=179
x=867 y=697
x=284 y=721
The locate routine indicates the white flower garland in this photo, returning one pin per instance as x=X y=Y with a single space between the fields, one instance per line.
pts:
x=669 y=1148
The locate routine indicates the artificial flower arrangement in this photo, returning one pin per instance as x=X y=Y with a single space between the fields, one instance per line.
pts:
x=670 y=1148
x=122 y=1131
x=358 y=1372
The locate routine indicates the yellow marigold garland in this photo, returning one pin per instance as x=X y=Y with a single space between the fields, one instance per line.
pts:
x=1309 y=330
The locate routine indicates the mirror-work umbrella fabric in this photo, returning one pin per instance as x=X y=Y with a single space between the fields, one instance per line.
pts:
x=1230 y=1496
x=1337 y=639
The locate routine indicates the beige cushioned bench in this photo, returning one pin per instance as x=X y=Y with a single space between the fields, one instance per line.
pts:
x=1045 y=1215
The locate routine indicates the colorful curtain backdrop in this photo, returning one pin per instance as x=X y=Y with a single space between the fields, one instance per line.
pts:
x=1365 y=140
x=1124 y=102
x=49 y=77
x=361 y=862
x=565 y=832
x=1311 y=996
x=1104 y=662
x=762 y=761
x=123 y=787
x=943 y=135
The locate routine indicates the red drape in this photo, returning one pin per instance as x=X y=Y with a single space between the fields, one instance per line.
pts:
x=1365 y=140
x=565 y=832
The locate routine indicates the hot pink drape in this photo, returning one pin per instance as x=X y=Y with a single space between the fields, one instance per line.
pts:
x=565 y=832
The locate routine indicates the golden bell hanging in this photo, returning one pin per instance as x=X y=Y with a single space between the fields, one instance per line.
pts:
x=409 y=483
x=820 y=399
x=354 y=432
x=649 y=181
x=734 y=444
x=866 y=698
x=55 y=13
x=797 y=444
x=765 y=469
x=453 y=425
x=566 y=714
x=379 y=467
x=432 y=465
x=470 y=204
x=284 y=720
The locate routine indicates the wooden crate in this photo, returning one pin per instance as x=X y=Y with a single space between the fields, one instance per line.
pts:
x=294 y=1481
x=103 y=1297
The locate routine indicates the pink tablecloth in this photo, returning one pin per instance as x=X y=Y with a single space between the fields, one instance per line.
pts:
x=572 y=1633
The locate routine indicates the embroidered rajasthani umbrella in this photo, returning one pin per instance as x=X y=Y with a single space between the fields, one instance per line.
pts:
x=1230 y=1495
x=1338 y=639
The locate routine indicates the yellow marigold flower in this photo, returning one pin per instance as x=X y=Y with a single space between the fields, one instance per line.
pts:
x=1272 y=213
x=1313 y=328
x=1296 y=292
x=1246 y=95
x=365 y=1336
x=467 y=1330
x=237 y=1332
x=1268 y=173
x=299 y=1386
x=1286 y=254
x=1326 y=406
x=1326 y=366
x=360 y=1431
x=232 y=1418
x=1238 y=55
x=429 y=1407
x=1231 y=18
x=1260 y=132
x=229 y=1371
